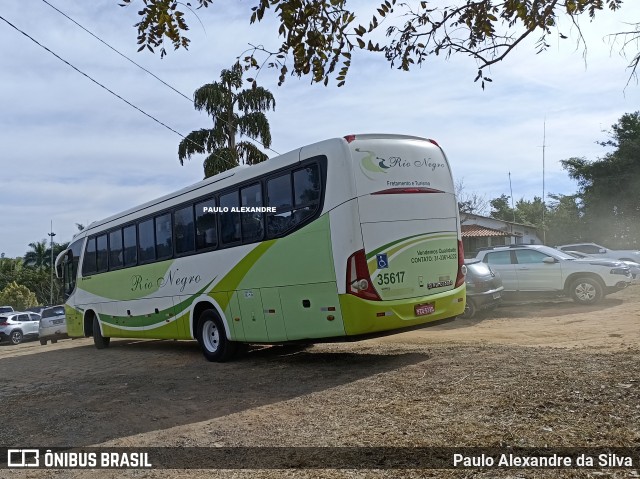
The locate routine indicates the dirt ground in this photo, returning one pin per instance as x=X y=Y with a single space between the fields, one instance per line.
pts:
x=540 y=374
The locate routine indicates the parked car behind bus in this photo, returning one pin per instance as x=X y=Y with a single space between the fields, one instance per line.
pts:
x=484 y=288
x=53 y=325
x=634 y=267
x=17 y=326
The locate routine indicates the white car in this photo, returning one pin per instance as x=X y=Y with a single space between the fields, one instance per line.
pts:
x=634 y=268
x=53 y=325
x=541 y=269
x=593 y=249
x=17 y=326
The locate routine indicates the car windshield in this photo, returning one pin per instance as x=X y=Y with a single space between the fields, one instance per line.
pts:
x=3 y=319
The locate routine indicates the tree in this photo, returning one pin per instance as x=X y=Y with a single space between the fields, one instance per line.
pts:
x=18 y=296
x=564 y=220
x=469 y=203
x=609 y=187
x=220 y=100
x=39 y=256
x=501 y=210
x=527 y=212
x=320 y=35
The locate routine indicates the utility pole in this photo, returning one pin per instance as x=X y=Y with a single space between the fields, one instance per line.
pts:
x=51 y=235
x=544 y=147
x=513 y=209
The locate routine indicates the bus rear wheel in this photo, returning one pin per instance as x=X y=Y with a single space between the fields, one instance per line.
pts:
x=213 y=339
x=99 y=340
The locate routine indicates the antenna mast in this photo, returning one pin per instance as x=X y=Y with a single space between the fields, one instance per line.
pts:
x=512 y=207
x=544 y=147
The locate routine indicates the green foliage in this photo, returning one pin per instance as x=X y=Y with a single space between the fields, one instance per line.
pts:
x=39 y=256
x=319 y=36
x=233 y=113
x=610 y=186
x=564 y=220
x=501 y=210
x=18 y=296
x=525 y=211
x=33 y=271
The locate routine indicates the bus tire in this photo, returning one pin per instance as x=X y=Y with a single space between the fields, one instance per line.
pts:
x=43 y=342
x=98 y=339
x=213 y=339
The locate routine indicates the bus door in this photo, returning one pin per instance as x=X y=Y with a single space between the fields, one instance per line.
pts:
x=250 y=312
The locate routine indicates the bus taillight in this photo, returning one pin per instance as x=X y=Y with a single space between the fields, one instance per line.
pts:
x=358 y=278
x=461 y=269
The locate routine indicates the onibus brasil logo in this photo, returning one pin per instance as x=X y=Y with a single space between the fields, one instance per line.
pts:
x=372 y=165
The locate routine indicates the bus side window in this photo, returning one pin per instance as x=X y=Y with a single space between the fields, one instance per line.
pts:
x=115 y=249
x=183 y=230
x=164 y=246
x=252 y=223
x=279 y=196
x=146 y=241
x=130 y=245
x=102 y=254
x=206 y=229
x=229 y=221
x=89 y=262
x=306 y=188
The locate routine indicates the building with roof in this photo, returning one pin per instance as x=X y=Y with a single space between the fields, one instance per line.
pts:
x=482 y=231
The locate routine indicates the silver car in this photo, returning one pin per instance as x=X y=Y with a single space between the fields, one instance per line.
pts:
x=17 y=326
x=53 y=325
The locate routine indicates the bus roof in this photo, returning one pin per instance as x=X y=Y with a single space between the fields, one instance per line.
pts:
x=238 y=174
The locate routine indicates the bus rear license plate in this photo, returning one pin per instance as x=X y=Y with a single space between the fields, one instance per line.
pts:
x=424 y=309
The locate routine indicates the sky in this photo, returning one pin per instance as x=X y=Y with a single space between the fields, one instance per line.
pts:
x=70 y=152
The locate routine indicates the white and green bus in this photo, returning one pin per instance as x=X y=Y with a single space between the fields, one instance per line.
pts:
x=342 y=239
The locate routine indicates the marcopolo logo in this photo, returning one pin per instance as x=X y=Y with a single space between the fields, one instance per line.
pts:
x=372 y=165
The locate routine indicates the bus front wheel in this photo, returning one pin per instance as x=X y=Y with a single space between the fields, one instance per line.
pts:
x=212 y=338
x=99 y=340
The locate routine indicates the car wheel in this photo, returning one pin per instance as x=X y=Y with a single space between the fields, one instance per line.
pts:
x=586 y=291
x=16 y=336
x=44 y=342
x=213 y=339
x=470 y=310
x=99 y=340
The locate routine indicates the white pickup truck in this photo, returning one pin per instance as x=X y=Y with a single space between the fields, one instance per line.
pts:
x=541 y=269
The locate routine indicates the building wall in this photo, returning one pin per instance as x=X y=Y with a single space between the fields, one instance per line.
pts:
x=521 y=234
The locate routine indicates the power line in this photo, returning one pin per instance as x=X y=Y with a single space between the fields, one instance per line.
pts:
x=104 y=87
x=147 y=71
x=119 y=53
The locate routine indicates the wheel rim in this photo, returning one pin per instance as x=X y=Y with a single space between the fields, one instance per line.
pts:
x=211 y=336
x=16 y=337
x=585 y=292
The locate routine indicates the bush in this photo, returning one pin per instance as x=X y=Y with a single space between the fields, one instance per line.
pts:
x=18 y=296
